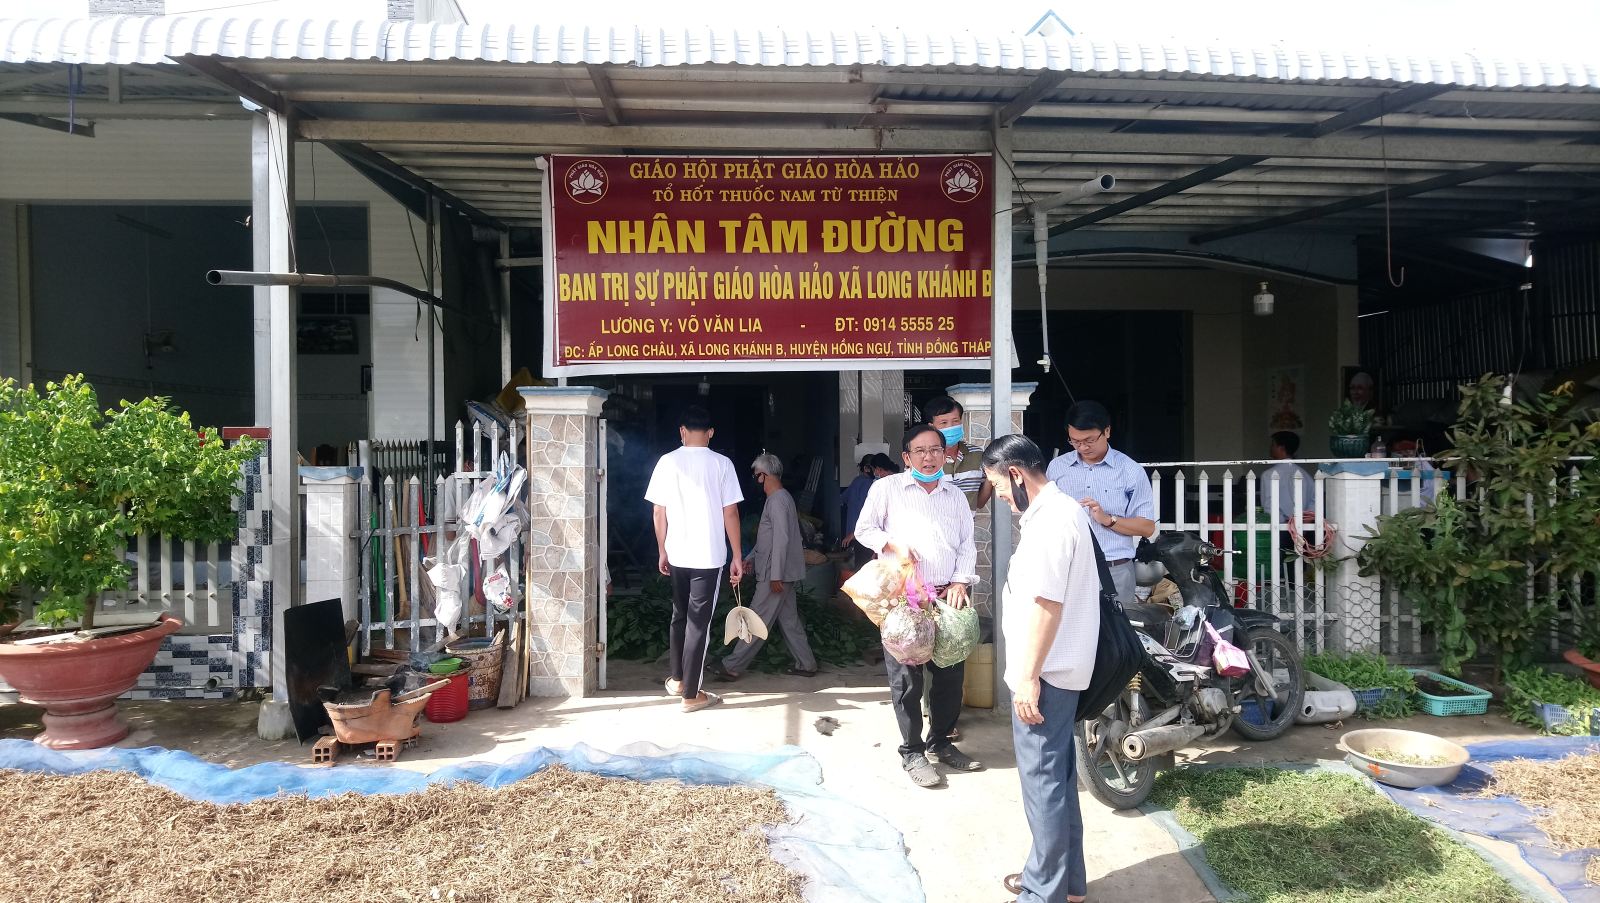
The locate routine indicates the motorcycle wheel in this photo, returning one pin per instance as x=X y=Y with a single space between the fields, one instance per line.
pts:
x=1102 y=770
x=1277 y=654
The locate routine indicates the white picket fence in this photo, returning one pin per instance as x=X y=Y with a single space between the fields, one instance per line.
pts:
x=399 y=528
x=1233 y=504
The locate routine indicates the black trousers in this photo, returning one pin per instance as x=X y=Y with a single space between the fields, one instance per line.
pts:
x=694 y=599
x=944 y=703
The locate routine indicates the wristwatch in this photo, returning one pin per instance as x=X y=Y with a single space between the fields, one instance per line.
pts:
x=1113 y=524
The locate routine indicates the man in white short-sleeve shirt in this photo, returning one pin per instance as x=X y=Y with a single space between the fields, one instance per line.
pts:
x=1050 y=618
x=696 y=496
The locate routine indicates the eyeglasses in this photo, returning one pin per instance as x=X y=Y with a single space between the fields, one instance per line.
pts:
x=926 y=452
x=1086 y=443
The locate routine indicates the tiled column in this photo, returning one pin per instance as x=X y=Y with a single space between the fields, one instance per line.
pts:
x=563 y=566
x=977 y=403
x=333 y=562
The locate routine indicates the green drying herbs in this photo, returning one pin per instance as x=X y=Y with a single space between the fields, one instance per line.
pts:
x=1366 y=671
x=1532 y=685
x=1320 y=837
x=637 y=628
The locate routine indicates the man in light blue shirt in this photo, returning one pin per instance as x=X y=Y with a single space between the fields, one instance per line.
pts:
x=1111 y=487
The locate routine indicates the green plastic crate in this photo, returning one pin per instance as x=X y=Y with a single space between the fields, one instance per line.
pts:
x=1476 y=704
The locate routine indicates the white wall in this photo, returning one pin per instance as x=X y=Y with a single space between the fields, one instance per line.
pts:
x=184 y=161
x=1232 y=350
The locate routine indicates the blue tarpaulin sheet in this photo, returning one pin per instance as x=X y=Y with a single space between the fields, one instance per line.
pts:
x=1503 y=818
x=845 y=852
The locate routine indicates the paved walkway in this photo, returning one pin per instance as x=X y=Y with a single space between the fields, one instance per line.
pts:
x=962 y=838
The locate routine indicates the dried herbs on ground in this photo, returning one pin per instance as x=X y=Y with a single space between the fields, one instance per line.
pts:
x=555 y=835
x=1281 y=836
x=1566 y=795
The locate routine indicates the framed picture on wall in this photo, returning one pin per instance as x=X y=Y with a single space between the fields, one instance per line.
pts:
x=1286 y=406
x=1361 y=386
x=327 y=335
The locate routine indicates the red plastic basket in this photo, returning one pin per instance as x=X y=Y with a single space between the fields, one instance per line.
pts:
x=450 y=703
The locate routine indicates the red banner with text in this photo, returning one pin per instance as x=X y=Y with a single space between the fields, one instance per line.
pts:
x=756 y=263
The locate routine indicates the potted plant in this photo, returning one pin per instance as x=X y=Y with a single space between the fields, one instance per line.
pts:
x=1531 y=512
x=75 y=484
x=1348 y=427
x=1585 y=651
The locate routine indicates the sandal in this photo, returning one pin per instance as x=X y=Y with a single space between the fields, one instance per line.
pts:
x=695 y=705
x=922 y=772
x=720 y=672
x=1013 y=883
x=673 y=690
x=950 y=757
x=801 y=672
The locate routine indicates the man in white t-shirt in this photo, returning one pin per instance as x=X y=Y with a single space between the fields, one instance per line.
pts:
x=696 y=496
x=1050 y=618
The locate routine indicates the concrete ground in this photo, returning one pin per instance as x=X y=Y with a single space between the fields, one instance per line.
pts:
x=974 y=832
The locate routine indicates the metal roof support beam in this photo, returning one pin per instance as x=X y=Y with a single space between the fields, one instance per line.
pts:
x=1356 y=203
x=354 y=153
x=1042 y=85
x=1368 y=110
x=608 y=97
x=1361 y=112
x=463 y=134
x=48 y=122
x=249 y=89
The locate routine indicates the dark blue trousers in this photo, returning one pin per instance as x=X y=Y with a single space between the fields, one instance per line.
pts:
x=1048 y=769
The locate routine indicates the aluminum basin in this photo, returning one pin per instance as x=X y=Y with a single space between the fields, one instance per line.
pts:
x=1358 y=747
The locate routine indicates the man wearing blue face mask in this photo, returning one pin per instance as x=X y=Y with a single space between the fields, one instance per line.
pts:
x=920 y=515
x=961 y=460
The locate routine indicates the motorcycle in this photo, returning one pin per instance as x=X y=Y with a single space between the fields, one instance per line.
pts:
x=1177 y=698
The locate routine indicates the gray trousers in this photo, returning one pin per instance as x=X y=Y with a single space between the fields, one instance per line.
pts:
x=1048 y=770
x=1123 y=576
x=781 y=611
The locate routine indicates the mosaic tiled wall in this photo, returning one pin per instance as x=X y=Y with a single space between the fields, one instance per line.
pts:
x=563 y=545
x=214 y=666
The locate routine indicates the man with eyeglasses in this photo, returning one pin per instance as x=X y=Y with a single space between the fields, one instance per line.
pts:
x=920 y=515
x=1111 y=487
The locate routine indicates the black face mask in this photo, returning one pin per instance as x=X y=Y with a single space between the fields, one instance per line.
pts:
x=1019 y=495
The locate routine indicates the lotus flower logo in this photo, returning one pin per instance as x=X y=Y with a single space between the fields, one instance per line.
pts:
x=961 y=180
x=586 y=182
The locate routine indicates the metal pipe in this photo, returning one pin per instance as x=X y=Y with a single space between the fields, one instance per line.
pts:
x=1041 y=246
x=1157 y=740
x=243 y=277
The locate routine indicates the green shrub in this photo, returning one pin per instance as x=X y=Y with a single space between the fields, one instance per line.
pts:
x=76 y=483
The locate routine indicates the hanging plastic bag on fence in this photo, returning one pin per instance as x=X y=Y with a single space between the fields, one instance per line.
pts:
x=495 y=540
x=497 y=591
x=879 y=586
x=955 y=634
x=908 y=630
x=446 y=573
x=1228 y=659
x=494 y=498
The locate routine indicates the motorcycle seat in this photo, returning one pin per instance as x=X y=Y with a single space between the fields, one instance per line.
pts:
x=1153 y=617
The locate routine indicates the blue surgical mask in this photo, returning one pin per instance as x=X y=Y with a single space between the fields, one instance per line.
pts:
x=953 y=434
x=921 y=477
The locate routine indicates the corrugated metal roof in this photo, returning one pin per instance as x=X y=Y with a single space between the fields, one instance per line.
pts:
x=138 y=39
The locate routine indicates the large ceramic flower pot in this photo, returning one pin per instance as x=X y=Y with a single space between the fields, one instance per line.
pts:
x=78 y=683
x=1348 y=446
x=1591 y=670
